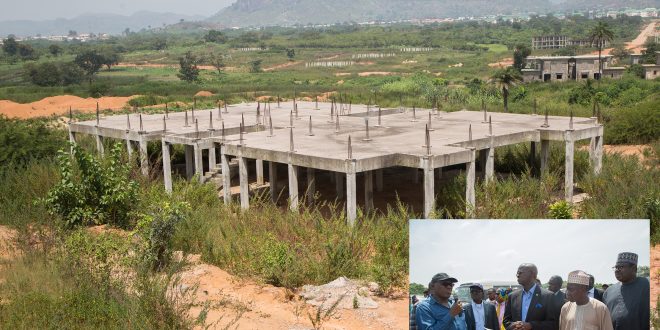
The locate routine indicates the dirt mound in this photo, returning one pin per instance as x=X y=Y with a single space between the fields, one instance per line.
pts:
x=204 y=94
x=281 y=66
x=347 y=294
x=264 y=306
x=375 y=73
x=7 y=243
x=59 y=105
x=505 y=62
x=655 y=275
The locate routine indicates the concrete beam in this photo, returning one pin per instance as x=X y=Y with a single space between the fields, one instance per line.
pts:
x=190 y=166
x=311 y=185
x=199 y=164
x=568 y=173
x=226 y=176
x=545 y=155
x=260 y=172
x=429 y=186
x=167 y=167
x=144 y=158
x=469 y=188
x=272 y=180
x=351 y=200
x=368 y=191
x=243 y=178
x=293 y=187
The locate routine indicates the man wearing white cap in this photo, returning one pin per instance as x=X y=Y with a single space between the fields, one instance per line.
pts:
x=582 y=312
x=628 y=300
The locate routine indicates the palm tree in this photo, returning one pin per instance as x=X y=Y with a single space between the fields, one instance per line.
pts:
x=599 y=35
x=505 y=79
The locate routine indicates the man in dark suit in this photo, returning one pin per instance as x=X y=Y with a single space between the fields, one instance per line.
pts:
x=594 y=292
x=532 y=307
x=478 y=314
x=554 y=285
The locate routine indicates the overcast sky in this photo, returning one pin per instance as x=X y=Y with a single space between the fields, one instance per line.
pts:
x=474 y=251
x=48 y=9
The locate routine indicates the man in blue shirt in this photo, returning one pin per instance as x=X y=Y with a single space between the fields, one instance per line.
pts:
x=532 y=308
x=438 y=312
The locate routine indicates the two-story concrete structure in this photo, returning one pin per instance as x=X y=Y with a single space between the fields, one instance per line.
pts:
x=652 y=71
x=563 y=68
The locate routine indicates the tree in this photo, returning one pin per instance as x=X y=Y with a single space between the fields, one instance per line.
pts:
x=55 y=50
x=504 y=79
x=255 y=66
x=290 y=53
x=520 y=52
x=188 y=70
x=45 y=74
x=416 y=288
x=71 y=73
x=215 y=36
x=26 y=52
x=91 y=62
x=599 y=35
x=10 y=46
x=643 y=271
x=218 y=61
x=110 y=58
x=648 y=54
x=620 y=53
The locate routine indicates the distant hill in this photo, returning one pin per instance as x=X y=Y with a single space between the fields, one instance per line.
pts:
x=95 y=23
x=290 y=12
x=607 y=4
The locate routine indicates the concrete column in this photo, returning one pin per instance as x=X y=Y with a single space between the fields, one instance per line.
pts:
x=351 y=200
x=469 y=186
x=489 y=166
x=311 y=185
x=429 y=186
x=199 y=164
x=368 y=191
x=293 y=187
x=212 y=158
x=415 y=174
x=144 y=157
x=167 y=168
x=568 y=174
x=226 y=176
x=243 y=177
x=339 y=183
x=545 y=155
x=379 y=180
x=99 y=145
x=72 y=139
x=190 y=167
x=260 y=172
x=129 y=148
x=272 y=179
x=596 y=154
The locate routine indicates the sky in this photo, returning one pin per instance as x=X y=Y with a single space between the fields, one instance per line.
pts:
x=474 y=251
x=47 y=9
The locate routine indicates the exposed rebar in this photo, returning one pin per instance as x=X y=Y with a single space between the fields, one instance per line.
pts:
x=427 y=140
x=291 y=148
x=350 y=148
x=141 y=126
x=311 y=133
x=570 y=121
x=545 y=121
x=164 y=123
x=185 y=123
x=366 y=124
x=490 y=125
x=470 y=133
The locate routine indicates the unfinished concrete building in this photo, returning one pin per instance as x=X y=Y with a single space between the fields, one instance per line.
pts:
x=564 y=68
x=557 y=42
x=348 y=144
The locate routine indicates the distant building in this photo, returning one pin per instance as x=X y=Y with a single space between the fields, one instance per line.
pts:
x=564 y=68
x=652 y=71
x=556 y=42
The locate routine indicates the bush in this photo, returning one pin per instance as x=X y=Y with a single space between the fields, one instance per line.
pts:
x=91 y=192
x=560 y=210
x=635 y=124
x=146 y=100
x=157 y=229
x=26 y=140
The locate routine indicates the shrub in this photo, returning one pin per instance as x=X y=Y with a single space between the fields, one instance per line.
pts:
x=91 y=192
x=635 y=124
x=157 y=229
x=25 y=140
x=560 y=210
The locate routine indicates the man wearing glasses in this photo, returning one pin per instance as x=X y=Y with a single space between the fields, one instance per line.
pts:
x=628 y=300
x=480 y=315
x=438 y=312
x=532 y=307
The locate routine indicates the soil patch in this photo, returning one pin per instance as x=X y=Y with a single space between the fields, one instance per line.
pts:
x=204 y=94
x=655 y=275
x=375 y=73
x=280 y=66
x=59 y=105
x=505 y=62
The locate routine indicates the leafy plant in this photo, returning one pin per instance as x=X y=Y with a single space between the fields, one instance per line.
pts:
x=157 y=229
x=560 y=210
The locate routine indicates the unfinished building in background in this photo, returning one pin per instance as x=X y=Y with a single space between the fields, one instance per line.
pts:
x=564 y=68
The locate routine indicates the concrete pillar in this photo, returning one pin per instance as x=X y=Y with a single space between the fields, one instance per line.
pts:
x=272 y=179
x=545 y=155
x=429 y=186
x=99 y=145
x=129 y=148
x=226 y=176
x=243 y=178
x=379 y=180
x=351 y=200
x=190 y=167
x=368 y=191
x=469 y=186
x=72 y=139
x=293 y=187
x=311 y=185
x=339 y=184
x=212 y=158
x=489 y=166
x=144 y=157
x=167 y=168
x=596 y=154
x=568 y=174
x=260 y=172
x=199 y=164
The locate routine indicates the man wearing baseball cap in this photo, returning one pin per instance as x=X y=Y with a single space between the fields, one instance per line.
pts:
x=480 y=315
x=628 y=300
x=582 y=312
x=438 y=311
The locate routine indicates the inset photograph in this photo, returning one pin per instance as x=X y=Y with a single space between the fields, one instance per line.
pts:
x=522 y=274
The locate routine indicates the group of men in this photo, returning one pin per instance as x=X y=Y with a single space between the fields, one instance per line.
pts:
x=622 y=306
